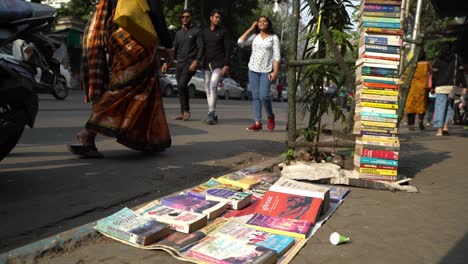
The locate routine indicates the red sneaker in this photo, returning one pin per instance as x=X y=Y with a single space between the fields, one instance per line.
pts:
x=254 y=127
x=271 y=122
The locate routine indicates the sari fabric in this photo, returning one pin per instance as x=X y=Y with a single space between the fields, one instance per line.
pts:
x=128 y=104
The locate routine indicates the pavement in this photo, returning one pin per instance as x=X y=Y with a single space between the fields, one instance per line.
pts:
x=385 y=227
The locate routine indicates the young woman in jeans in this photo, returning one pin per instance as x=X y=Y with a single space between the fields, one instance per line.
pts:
x=263 y=68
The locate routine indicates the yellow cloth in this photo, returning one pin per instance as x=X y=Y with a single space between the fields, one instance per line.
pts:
x=133 y=16
x=417 y=100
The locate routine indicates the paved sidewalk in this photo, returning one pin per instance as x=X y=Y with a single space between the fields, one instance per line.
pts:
x=385 y=227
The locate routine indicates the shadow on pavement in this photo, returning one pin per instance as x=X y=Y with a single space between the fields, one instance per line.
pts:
x=458 y=253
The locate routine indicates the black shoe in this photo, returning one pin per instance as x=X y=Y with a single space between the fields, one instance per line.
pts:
x=211 y=120
x=421 y=125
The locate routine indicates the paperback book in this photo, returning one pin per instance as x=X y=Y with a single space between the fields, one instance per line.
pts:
x=235 y=200
x=132 y=227
x=200 y=190
x=179 y=220
x=212 y=209
x=278 y=225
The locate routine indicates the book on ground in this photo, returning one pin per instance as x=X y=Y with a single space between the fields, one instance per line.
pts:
x=226 y=249
x=179 y=220
x=279 y=225
x=249 y=235
x=212 y=209
x=200 y=190
x=132 y=227
x=235 y=200
x=239 y=180
x=288 y=186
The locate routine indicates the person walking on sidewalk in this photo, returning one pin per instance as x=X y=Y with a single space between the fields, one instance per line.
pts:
x=127 y=103
x=216 y=61
x=447 y=74
x=263 y=68
x=188 y=54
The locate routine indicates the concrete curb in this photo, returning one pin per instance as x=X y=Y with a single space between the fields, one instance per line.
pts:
x=78 y=235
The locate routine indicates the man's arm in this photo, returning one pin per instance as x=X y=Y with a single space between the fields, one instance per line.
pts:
x=200 y=49
x=227 y=53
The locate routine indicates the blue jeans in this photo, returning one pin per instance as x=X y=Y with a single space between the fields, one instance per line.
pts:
x=443 y=110
x=260 y=87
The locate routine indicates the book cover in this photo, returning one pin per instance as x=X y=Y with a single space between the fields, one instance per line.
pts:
x=372 y=177
x=263 y=177
x=337 y=193
x=239 y=180
x=291 y=206
x=378 y=143
x=250 y=209
x=379 y=49
x=235 y=200
x=179 y=220
x=262 y=188
x=364 y=59
x=396 y=3
x=378 y=66
x=375 y=101
x=390 y=140
x=387 y=80
x=225 y=249
x=376 y=147
x=392 y=98
x=374 y=119
x=383 y=31
x=377 y=133
x=381 y=19
x=200 y=190
x=378 y=85
x=277 y=225
x=378 y=124
x=132 y=227
x=381 y=154
x=249 y=235
x=184 y=202
x=288 y=186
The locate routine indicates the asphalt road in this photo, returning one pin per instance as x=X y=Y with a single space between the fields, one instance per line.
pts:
x=45 y=190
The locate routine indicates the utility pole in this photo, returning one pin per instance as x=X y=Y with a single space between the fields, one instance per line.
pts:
x=185 y=4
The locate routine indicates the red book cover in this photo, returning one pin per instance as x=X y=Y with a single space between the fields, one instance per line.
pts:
x=381 y=167
x=381 y=57
x=380 y=85
x=289 y=206
x=381 y=154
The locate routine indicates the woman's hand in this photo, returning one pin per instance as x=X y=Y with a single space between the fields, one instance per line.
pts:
x=254 y=25
x=272 y=76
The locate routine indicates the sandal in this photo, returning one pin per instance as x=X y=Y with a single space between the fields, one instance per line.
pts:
x=179 y=117
x=186 y=116
x=85 y=152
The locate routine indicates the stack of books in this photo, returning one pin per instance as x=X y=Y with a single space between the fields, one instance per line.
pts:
x=377 y=90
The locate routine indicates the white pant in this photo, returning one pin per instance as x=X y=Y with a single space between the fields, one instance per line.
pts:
x=211 y=87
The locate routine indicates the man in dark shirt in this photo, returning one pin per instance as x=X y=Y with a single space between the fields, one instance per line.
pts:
x=216 y=61
x=188 y=54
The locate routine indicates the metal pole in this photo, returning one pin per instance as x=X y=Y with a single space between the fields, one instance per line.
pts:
x=416 y=25
x=186 y=4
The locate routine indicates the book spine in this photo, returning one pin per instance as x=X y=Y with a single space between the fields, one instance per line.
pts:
x=385 y=31
x=381 y=25
x=378 y=171
x=381 y=154
x=381 y=8
x=377 y=119
x=379 y=124
x=374 y=133
x=379 y=105
x=279 y=232
x=381 y=19
x=379 y=92
x=383 y=167
x=376 y=161
x=381 y=14
x=380 y=85
x=373 y=177
x=380 y=115
x=121 y=234
x=377 y=101
x=377 y=147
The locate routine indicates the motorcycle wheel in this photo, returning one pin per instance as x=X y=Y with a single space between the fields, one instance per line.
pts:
x=11 y=127
x=60 y=90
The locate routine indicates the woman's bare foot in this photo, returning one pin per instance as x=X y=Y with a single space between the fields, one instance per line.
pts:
x=86 y=138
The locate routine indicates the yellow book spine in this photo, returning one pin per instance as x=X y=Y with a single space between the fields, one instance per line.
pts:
x=378 y=124
x=379 y=92
x=244 y=186
x=379 y=105
x=375 y=139
x=378 y=171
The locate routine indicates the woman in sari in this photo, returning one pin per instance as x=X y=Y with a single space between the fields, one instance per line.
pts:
x=127 y=103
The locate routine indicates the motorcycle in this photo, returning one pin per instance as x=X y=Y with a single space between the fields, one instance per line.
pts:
x=18 y=98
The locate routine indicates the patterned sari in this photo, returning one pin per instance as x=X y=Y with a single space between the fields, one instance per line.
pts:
x=127 y=104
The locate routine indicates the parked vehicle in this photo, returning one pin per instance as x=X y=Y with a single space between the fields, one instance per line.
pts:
x=18 y=98
x=167 y=88
x=196 y=85
x=170 y=76
x=228 y=88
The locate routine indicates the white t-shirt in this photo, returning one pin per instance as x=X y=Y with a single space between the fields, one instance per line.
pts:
x=264 y=52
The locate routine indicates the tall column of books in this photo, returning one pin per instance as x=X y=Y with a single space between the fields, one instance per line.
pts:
x=377 y=88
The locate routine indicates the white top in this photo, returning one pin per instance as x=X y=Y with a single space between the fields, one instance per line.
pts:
x=264 y=52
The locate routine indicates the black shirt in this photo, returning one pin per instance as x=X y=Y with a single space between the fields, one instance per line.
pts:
x=217 y=48
x=188 y=45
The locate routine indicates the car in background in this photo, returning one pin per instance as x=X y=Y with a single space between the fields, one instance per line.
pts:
x=167 y=87
x=229 y=88
x=196 y=85
x=170 y=75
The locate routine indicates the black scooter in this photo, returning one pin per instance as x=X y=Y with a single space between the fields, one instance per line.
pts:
x=18 y=99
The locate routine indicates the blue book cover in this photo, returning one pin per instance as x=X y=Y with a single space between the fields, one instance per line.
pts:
x=382 y=8
x=379 y=81
x=381 y=24
x=379 y=41
x=249 y=235
x=382 y=48
x=376 y=161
